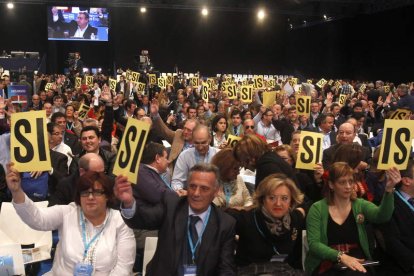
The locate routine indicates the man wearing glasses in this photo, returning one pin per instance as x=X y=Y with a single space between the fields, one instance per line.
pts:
x=248 y=128
x=202 y=152
x=264 y=125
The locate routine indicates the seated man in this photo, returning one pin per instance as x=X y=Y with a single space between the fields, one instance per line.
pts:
x=195 y=237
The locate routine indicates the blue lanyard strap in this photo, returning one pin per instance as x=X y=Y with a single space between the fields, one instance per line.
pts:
x=405 y=200
x=228 y=192
x=262 y=234
x=85 y=244
x=165 y=181
x=193 y=247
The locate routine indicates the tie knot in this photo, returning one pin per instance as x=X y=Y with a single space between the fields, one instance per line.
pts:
x=194 y=219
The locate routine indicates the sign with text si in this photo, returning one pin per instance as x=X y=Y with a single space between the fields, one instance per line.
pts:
x=231 y=91
x=49 y=86
x=338 y=85
x=321 y=83
x=112 y=84
x=387 y=89
x=134 y=77
x=194 y=81
x=246 y=93
x=310 y=150
x=330 y=82
x=204 y=92
x=170 y=80
x=78 y=82
x=400 y=114
x=342 y=99
x=271 y=83
x=362 y=88
x=29 y=144
x=210 y=83
x=303 y=104
x=131 y=148
x=232 y=140
x=162 y=82
x=258 y=82
x=83 y=111
x=269 y=98
x=152 y=79
x=309 y=81
x=293 y=81
x=89 y=81
x=141 y=87
x=128 y=75
x=396 y=144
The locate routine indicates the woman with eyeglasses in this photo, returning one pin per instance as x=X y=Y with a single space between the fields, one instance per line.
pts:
x=336 y=225
x=270 y=233
x=93 y=238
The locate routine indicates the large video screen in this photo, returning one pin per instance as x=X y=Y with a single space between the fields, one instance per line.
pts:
x=77 y=23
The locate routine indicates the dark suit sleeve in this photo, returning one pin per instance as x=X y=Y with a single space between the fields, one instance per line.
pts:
x=226 y=265
x=107 y=124
x=146 y=216
x=60 y=165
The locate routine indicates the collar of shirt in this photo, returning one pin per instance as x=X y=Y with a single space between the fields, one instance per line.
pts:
x=404 y=194
x=79 y=32
x=152 y=168
x=203 y=215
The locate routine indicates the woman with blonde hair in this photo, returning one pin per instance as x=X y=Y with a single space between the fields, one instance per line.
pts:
x=270 y=233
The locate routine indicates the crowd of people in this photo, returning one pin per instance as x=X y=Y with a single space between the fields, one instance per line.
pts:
x=217 y=207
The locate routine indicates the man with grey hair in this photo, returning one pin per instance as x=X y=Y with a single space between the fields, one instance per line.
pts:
x=195 y=237
x=65 y=189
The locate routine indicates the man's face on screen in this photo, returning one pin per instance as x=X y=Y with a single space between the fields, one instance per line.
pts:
x=82 y=20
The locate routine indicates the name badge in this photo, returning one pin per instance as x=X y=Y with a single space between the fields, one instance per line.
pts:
x=83 y=270
x=278 y=258
x=190 y=270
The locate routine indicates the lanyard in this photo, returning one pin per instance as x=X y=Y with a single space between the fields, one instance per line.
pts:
x=87 y=245
x=227 y=191
x=262 y=234
x=165 y=181
x=268 y=130
x=190 y=241
x=405 y=200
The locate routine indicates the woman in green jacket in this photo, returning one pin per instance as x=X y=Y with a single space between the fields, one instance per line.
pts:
x=336 y=224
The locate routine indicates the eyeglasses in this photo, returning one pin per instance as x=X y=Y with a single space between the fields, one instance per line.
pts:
x=247 y=127
x=95 y=193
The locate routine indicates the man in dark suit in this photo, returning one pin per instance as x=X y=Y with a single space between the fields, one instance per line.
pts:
x=81 y=28
x=195 y=237
x=68 y=138
x=324 y=125
x=397 y=234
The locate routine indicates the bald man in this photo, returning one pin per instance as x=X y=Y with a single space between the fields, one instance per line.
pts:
x=65 y=189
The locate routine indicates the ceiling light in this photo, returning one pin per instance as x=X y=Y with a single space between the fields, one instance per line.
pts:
x=261 y=14
x=204 y=11
x=10 y=5
x=143 y=10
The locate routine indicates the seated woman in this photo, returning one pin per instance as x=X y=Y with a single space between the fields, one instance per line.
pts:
x=270 y=234
x=93 y=237
x=233 y=191
x=336 y=227
x=218 y=127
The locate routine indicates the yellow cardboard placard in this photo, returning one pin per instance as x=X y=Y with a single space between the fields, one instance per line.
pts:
x=89 y=81
x=387 y=89
x=141 y=87
x=83 y=111
x=321 y=83
x=303 y=104
x=204 y=92
x=258 y=82
x=112 y=84
x=309 y=81
x=271 y=83
x=134 y=77
x=246 y=93
x=78 y=82
x=310 y=150
x=131 y=148
x=170 y=80
x=400 y=114
x=128 y=75
x=29 y=144
x=194 y=81
x=293 y=81
x=232 y=140
x=342 y=99
x=337 y=85
x=396 y=144
x=162 y=82
x=269 y=98
x=48 y=86
x=231 y=91
x=362 y=88
x=152 y=79
x=330 y=82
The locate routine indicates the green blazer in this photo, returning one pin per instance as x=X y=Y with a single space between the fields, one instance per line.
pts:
x=317 y=223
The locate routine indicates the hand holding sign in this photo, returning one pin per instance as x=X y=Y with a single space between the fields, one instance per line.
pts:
x=393 y=178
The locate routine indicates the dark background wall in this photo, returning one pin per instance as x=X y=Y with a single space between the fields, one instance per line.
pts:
x=377 y=46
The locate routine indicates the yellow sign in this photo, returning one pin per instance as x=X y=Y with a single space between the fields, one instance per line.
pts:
x=29 y=144
x=231 y=91
x=131 y=148
x=400 y=114
x=293 y=81
x=269 y=98
x=342 y=99
x=210 y=82
x=128 y=75
x=310 y=150
x=232 y=140
x=170 y=80
x=152 y=79
x=321 y=83
x=258 y=82
x=303 y=104
x=204 y=92
x=387 y=89
x=194 y=81
x=141 y=87
x=229 y=79
x=112 y=84
x=83 y=111
x=330 y=82
x=245 y=82
x=309 y=81
x=134 y=77
x=78 y=82
x=89 y=81
x=337 y=85
x=271 y=83
x=362 y=88
x=246 y=93
x=396 y=144
x=162 y=82
x=49 y=86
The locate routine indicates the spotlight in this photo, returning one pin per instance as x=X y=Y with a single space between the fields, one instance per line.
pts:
x=10 y=5
x=291 y=26
x=261 y=14
x=204 y=11
x=304 y=22
x=325 y=17
x=143 y=10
